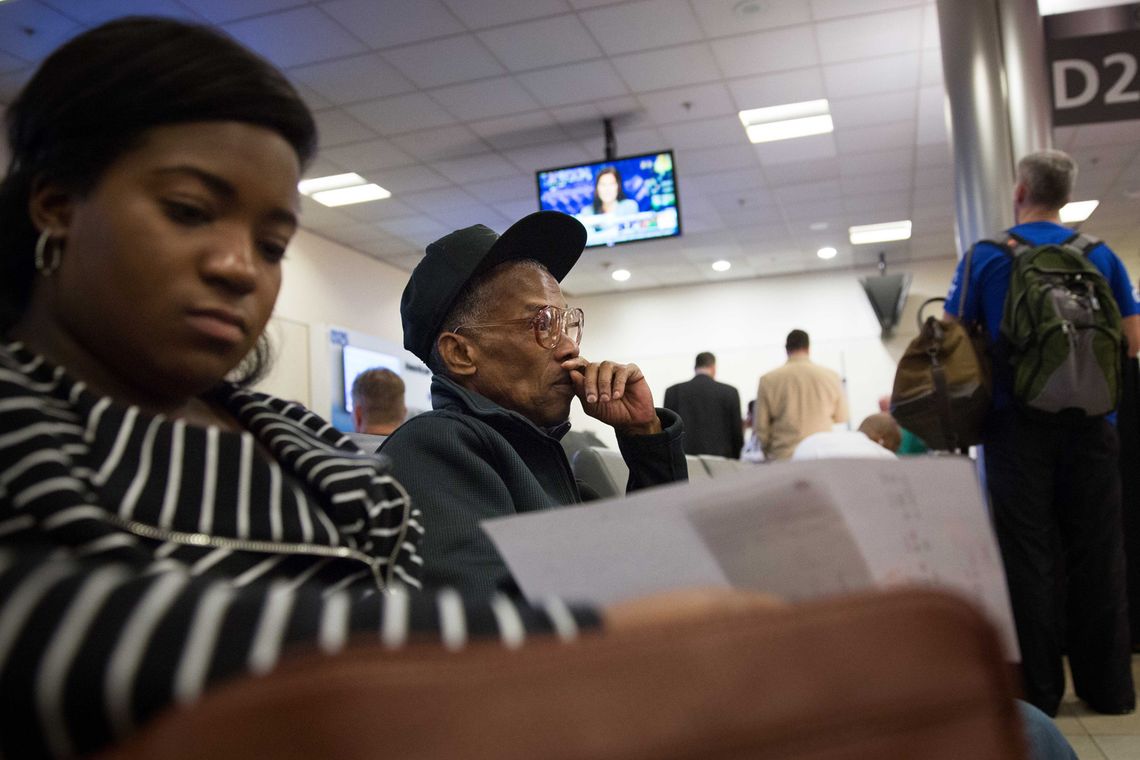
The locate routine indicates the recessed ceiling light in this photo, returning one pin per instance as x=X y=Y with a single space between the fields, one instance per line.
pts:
x=879 y=233
x=722 y=265
x=621 y=275
x=826 y=253
x=1077 y=211
x=331 y=182
x=344 y=196
x=784 y=122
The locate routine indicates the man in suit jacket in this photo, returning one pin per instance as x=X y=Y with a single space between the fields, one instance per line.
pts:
x=709 y=410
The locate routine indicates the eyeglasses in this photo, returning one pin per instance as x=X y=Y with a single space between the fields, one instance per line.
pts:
x=549 y=324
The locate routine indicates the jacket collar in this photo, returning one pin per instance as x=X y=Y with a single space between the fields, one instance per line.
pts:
x=448 y=394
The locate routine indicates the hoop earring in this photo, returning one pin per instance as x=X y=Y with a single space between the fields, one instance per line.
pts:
x=43 y=265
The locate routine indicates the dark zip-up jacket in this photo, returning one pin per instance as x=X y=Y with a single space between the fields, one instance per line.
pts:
x=470 y=460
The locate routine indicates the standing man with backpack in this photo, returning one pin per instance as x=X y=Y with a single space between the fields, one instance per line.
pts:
x=1058 y=309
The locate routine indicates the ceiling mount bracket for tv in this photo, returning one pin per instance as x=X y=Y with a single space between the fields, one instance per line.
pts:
x=611 y=143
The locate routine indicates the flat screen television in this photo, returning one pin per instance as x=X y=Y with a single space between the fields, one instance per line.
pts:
x=619 y=201
x=357 y=359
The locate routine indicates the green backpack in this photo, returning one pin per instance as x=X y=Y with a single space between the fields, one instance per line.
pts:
x=1061 y=324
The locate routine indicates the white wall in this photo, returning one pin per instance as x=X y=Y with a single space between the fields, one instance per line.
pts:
x=743 y=322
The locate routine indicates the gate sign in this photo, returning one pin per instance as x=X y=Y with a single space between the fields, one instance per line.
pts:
x=1095 y=78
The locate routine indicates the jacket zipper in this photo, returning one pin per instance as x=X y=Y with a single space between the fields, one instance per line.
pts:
x=184 y=538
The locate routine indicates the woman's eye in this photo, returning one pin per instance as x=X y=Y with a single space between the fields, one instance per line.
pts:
x=187 y=213
x=273 y=252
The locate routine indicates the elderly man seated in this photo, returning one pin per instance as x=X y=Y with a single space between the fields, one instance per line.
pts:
x=488 y=317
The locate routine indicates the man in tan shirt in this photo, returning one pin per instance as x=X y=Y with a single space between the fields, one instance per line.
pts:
x=796 y=400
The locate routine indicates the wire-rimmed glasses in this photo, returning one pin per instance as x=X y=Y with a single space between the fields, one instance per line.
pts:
x=549 y=323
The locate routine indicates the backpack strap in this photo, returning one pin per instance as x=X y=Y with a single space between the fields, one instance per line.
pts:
x=1082 y=243
x=1013 y=244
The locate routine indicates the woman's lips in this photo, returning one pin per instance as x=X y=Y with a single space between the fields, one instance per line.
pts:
x=218 y=324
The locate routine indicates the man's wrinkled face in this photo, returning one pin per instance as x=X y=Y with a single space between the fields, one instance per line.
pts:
x=512 y=369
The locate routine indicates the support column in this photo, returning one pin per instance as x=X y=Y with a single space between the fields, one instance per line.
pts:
x=1026 y=76
x=978 y=121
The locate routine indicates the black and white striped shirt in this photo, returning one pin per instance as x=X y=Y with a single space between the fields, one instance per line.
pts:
x=143 y=559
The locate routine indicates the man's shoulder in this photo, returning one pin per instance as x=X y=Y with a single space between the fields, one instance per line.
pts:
x=438 y=427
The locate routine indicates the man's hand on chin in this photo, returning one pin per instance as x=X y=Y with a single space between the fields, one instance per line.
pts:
x=615 y=394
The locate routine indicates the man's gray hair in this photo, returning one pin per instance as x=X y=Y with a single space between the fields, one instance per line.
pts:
x=473 y=304
x=1049 y=177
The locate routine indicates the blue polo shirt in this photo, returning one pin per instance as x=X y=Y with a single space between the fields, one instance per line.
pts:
x=989 y=282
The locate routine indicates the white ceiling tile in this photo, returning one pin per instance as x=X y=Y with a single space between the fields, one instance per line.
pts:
x=459 y=217
x=574 y=83
x=314 y=216
x=763 y=52
x=828 y=9
x=931 y=72
x=671 y=67
x=518 y=130
x=705 y=160
x=371 y=154
x=475 y=168
x=870 y=36
x=517 y=187
x=321 y=168
x=726 y=181
x=376 y=211
x=893 y=72
x=485 y=99
x=347 y=80
x=220 y=11
x=900 y=134
x=877 y=183
x=51 y=29
x=932 y=116
x=809 y=210
x=313 y=99
x=479 y=14
x=530 y=160
x=933 y=155
x=430 y=201
x=799 y=149
x=931 y=38
x=291 y=38
x=629 y=142
x=401 y=113
x=537 y=44
x=335 y=127
x=878 y=162
x=776 y=89
x=10 y=63
x=446 y=61
x=719 y=18
x=688 y=103
x=512 y=211
x=95 y=13
x=879 y=108
x=438 y=144
x=804 y=171
x=409 y=179
x=807 y=191
x=418 y=229
x=934 y=195
x=406 y=262
x=708 y=133
x=932 y=214
x=357 y=232
x=1108 y=133
x=393 y=22
x=641 y=25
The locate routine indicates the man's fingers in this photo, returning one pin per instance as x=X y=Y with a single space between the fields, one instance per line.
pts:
x=629 y=373
x=605 y=381
x=590 y=372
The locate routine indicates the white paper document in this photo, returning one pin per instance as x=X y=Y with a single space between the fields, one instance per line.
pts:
x=799 y=530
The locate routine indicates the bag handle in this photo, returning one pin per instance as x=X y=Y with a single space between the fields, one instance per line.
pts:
x=927 y=302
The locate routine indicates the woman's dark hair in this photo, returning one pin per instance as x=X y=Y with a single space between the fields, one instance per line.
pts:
x=91 y=101
x=621 y=186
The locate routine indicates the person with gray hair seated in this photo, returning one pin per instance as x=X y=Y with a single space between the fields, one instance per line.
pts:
x=486 y=314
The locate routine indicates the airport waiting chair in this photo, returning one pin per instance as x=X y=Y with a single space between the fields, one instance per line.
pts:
x=697 y=469
x=900 y=674
x=720 y=466
x=601 y=469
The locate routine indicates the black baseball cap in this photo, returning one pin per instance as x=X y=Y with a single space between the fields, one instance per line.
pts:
x=553 y=239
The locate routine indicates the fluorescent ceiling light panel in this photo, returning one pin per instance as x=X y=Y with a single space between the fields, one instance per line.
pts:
x=722 y=265
x=1078 y=211
x=811 y=117
x=332 y=182
x=343 y=196
x=621 y=275
x=879 y=233
x=1050 y=7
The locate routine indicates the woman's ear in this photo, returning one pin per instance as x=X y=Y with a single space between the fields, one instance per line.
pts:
x=50 y=207
x=459 y=355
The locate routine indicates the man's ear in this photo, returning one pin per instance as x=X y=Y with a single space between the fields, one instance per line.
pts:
x=50 y=207
x=358 y=418
x=1020 y=191
x=459 y=355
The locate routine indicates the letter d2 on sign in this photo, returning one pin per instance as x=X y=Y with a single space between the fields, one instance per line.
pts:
x=1095 y=78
